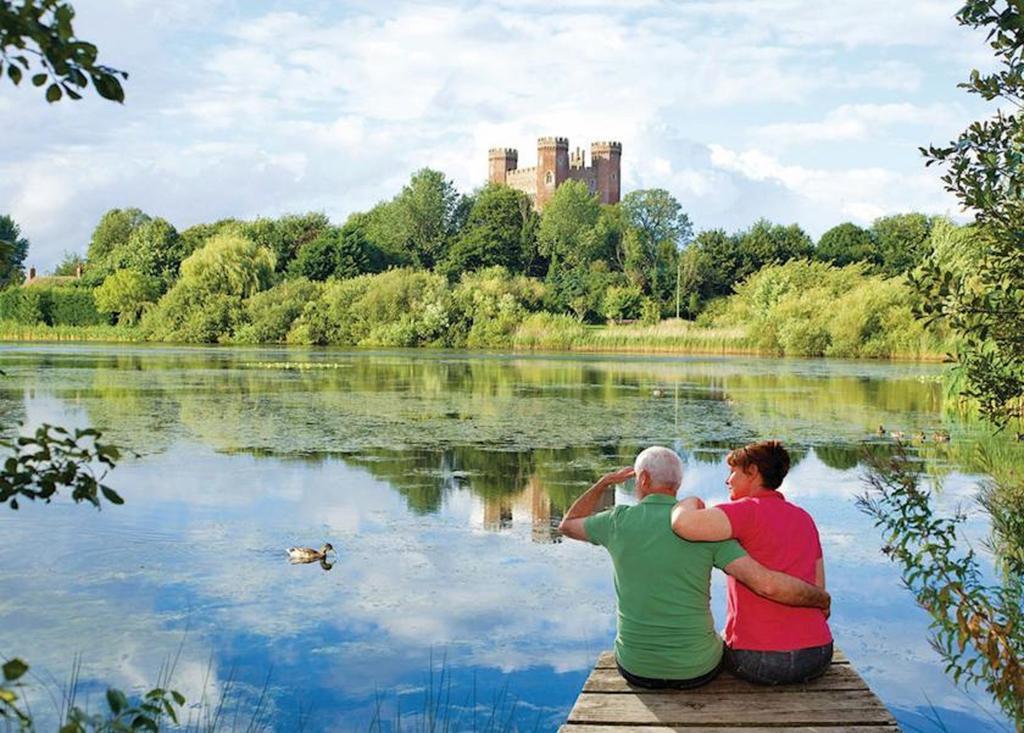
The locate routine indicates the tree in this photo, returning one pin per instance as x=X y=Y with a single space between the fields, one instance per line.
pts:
x=902 y=241
x=38 y=36
x=70 y=264
x=13 y=251
x=500 y=230
x=711 y=263
x=153 y=249
x=335 y=253
x=228 y=264
x=566 y=226
x=111 y=234
x=421 y=221
x=127 y=294
x=660 y=228
x=845 y=244
x=286 y=235
x=766 y=243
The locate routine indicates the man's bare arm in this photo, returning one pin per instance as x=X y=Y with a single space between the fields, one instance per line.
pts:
x=572 y=524
x=691 y=521
x=778 y=586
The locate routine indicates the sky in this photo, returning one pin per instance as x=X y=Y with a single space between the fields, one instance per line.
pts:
x=798 y=111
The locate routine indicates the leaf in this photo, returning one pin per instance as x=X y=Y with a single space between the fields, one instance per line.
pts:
x=112 y=496
x=53 y=93
x=116 y=700
x=14 y=669
x=108 y=87
x=14 y=73
x=178 y=697
x=39 y=79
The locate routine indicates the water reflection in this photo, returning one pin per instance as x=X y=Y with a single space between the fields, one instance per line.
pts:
x=440 y=477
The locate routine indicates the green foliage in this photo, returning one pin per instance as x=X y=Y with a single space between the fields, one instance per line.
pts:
x=38 y=465
x=566 y=233
x=489 y=305
x=53 y=306
x=205 y=305
x=709 y=265
x=650 y=312
x=658 y=228
x=845 y=244
x=127 y=294
x=902 y=241
x=197 y=235
x=336 y=252
x=37 y=37
x=270 y=314
x=978 y=628
x=13 y=251
x=622 y=303
x=766 y=244
x=500 y=230
x=548 y=331
x=111 y=235
x=399 y=307
x=70 y=264
x=808 y=308
x=152 y=249
x=285 y=236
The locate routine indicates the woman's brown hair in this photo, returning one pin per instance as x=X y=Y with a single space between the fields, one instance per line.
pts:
x=770 y=457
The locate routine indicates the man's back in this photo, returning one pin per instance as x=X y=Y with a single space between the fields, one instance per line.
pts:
x=665 y=629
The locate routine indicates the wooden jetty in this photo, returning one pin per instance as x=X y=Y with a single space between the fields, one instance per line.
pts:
x=838 y=701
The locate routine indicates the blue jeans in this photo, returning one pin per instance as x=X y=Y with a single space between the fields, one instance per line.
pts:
x=652 y=683
x=779 y=668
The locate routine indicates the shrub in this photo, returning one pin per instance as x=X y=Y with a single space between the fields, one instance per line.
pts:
x=53 y=306
x=622 y=302
x=650 y=312
x=74 y=307
x=270 y=314
x=127 y=294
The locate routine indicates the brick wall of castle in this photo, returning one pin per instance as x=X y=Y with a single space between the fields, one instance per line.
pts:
x=555 y=165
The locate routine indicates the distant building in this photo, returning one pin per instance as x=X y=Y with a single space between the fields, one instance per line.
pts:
x=555 y=165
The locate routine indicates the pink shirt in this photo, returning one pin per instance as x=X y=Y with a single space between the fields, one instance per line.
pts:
x=781 y=536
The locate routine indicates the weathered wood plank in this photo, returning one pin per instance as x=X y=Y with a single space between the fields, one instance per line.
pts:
x=606 y=659
x=699 y=707
x=839 y=728
x=838 y=677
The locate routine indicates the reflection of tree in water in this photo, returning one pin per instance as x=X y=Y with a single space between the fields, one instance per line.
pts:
x=839 y=457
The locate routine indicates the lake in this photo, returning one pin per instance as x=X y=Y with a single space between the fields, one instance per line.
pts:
x=439 y=478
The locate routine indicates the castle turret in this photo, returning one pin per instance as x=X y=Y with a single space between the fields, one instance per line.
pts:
x=605 y=158
x=552 y=167
x=501 y=161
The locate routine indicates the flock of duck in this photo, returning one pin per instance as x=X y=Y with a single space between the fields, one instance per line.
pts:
x=940 y=436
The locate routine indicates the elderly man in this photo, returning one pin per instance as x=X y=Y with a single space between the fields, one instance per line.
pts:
x=666 y=636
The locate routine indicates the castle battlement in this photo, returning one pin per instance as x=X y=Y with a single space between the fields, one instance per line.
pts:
x=555 y=165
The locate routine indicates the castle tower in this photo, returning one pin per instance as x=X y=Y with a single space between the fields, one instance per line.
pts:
x=500 y=162
x=552 y=167
x=605 y=158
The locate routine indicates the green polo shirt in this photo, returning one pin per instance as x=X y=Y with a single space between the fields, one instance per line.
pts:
x=663 y=585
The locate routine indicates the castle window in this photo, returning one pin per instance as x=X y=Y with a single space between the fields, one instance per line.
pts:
x=549 y=178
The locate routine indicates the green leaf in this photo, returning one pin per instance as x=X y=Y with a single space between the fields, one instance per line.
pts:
x=14 y=73
x=14 y=669
x=116 y=700
x=39 y=79
x=112 y=496
x=108 y=87
x=53 y=93
x=178 y=697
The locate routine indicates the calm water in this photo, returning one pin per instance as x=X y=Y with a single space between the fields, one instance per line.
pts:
x=438 y=477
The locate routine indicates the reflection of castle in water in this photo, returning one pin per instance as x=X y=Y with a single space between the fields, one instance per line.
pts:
x=533 y=505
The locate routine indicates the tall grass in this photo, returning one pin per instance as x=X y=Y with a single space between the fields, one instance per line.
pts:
x=11 y=331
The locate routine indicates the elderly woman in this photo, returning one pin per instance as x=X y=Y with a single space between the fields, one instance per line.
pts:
x=766 y=642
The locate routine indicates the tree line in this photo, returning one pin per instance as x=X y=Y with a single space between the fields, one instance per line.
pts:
x=269 y=280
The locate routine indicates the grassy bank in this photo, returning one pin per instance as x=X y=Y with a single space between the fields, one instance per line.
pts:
x=10 y=331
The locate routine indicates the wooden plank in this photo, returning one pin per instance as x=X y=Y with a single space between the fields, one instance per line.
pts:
x=606 y=659
x=583 y=728
x=699 y=707
x=838 y=677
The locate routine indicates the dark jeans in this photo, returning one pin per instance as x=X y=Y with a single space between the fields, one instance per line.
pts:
x=653 y=683
x=779 y=668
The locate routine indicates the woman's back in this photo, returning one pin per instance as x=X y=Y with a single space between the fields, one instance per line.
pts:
x=781 y=536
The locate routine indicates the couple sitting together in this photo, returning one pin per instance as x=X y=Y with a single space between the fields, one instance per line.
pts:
x=776 y=630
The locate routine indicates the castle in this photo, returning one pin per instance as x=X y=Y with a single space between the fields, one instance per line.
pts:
x=555 y=165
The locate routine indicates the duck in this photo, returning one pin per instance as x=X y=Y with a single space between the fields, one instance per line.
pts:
x=920 y=437
x=881 y=430
x=941 y=437
x=897 y=435
x=658 y=392
x=308 y=554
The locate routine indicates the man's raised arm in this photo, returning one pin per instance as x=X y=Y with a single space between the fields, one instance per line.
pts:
x=778 y=586
x=572 y=524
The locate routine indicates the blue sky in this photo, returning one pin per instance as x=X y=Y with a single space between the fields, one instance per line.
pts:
x=803 y=112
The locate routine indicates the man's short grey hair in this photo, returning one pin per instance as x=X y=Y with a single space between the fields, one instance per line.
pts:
x=663 y=466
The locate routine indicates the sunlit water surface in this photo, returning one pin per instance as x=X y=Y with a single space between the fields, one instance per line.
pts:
x=438 y=476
